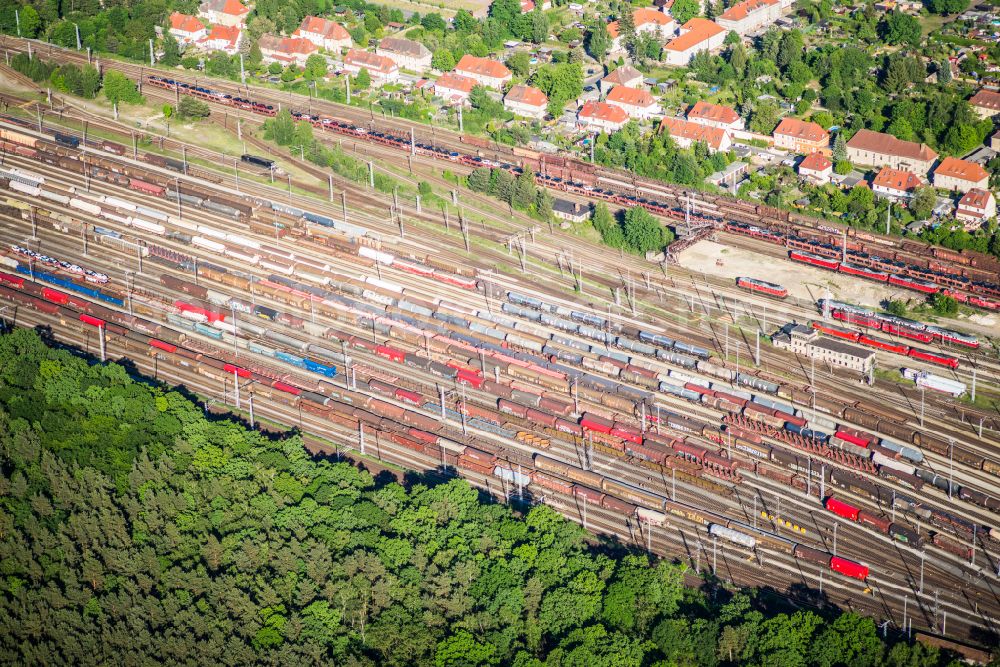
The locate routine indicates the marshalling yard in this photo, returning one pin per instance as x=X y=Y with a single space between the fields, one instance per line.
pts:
x=642 y=400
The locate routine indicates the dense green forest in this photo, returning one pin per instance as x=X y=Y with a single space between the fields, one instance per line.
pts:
x=135 y=530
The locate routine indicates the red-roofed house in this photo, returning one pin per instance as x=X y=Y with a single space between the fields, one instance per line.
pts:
x=750 y=15
x=976 y=207
x=626 y=75
x=895 y=183
x=878 y=150
x=186 y=28
x=817 y=168
x=715 y=115
x=684 y=133
x=285 y=50
x=662 y=25
x=223 y=38
x=696 y=35
x=224 y=12
x=526 y=101
x=960 y=175
x=454 y=87
x=325 y=34
x=490 y=73
x=800 y=136
x=601 y=116
x=381 y=69
x=636 y=102
x=986 y=103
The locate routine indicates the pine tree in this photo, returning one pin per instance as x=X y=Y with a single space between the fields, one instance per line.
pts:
x=839 y=148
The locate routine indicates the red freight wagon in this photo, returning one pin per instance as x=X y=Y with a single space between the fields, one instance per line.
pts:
x=540 y=417
x=842 y=509
x=167 y=347
x=281 y=386
x=595 y=423
x=627 y=433
x=240 y=372
x=54 y=296
x=849 y=568
x=148 y=188
x=91 y=320
x=407 y=396
x=472 y=378
x=879 y=523
x=592 y=496
x=853 y=437
x=390 y=353
x=16 y=281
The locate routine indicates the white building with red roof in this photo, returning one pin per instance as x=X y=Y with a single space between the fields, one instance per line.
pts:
x=636 y=102
x=224 y=12
x=895 y=183
x=801 y=136
x=485 y=71
x=960 y=175
x=186 y=29
x=696 y=35
x=223 y=38
x=526 y=101
x=454 y=87
x=715 y=115
x=750 y=15
x=381 y=69
x=325 y=34
x=660 y=24
x=816 y=168
x=285 y=50
x=601 y=117
x=976 y=207
x=685 y=133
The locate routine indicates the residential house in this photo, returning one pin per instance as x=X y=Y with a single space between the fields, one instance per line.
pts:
x=381 y=69
x=325 y=34
x=570 y=211
x=636 y=102
x=223 y=38
x=816 y=168
x=285 y=50
x=528 y=6
x=750 y=15
x=715 y=115
x=186 y=29
x=801 y=136
x=454 y=87
x=976 y=207
x=884 y=150
x=660 y=24
x=895 y=183
x=224 y=12
x=485 y=71
x=995 y=141
x=696 y=35
x=406 y=53
x=986 y=103
x=626 y=75
x=685 y=133
x=601 y=117
x=960 y=175
x=526 y=101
